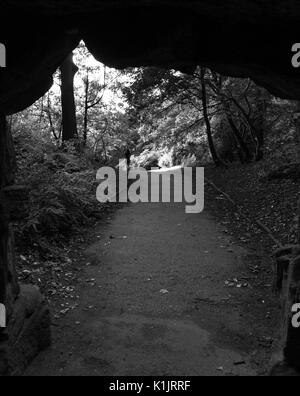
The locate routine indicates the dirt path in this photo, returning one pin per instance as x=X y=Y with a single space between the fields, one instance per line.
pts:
x=155 y=302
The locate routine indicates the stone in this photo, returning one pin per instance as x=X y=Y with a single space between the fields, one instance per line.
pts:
x=282 y=369
x=287 y=283
x=248 y=39
x=28 y=332
x=9 y=288
x=27 y=315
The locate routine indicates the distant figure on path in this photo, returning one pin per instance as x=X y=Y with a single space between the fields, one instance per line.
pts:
x=128 y=156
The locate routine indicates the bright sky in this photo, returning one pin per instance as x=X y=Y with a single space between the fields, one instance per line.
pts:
x=100 y=73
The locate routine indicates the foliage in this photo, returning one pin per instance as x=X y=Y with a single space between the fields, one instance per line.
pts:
x=167 y=108
x=160 y=116
x=62 y=188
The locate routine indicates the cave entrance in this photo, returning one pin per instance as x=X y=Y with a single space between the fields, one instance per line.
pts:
x=252 y=41
x=164 y=118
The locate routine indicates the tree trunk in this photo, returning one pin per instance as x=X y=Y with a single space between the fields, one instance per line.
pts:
x=257 y=136
x=10 y=124
x=86 y=109
x=260 y=128
x=243 y=146
x=49 y=115
x=260 y=122
x=68 y=70
x=211 y=144
x=104 y=149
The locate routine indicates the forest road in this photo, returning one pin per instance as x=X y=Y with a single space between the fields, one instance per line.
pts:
x=154 y=301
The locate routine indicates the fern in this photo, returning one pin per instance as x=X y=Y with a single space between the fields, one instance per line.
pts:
x=62 y=190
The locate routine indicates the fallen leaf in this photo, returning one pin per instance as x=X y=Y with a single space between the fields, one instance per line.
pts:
x=164 y=291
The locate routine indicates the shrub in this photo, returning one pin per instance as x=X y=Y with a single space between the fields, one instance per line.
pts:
x=62 y=189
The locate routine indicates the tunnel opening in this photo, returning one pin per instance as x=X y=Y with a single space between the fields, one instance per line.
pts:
x=252 y=41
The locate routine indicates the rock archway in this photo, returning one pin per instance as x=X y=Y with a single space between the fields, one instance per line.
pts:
x=248 y=39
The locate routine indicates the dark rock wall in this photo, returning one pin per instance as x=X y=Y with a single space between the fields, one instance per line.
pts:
x=249 y=38
x=9 y=288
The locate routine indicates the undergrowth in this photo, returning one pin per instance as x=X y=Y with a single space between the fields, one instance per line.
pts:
x=62 y=190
